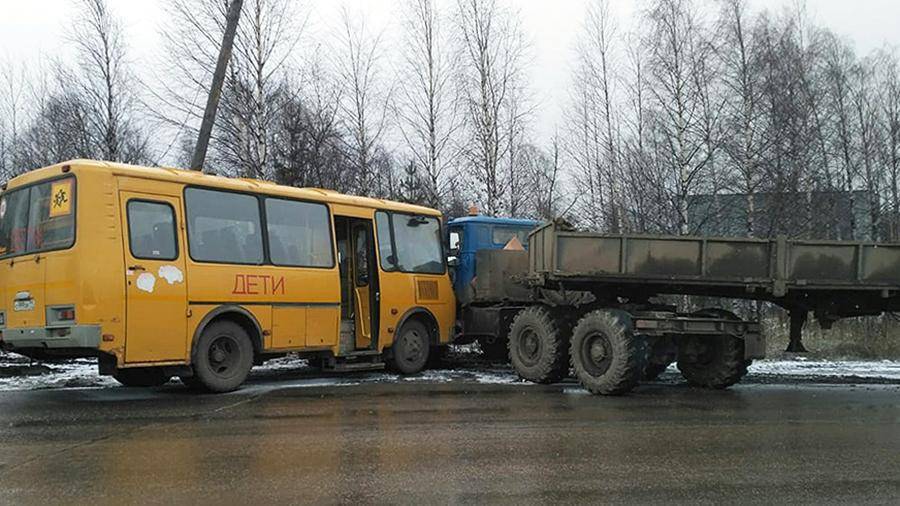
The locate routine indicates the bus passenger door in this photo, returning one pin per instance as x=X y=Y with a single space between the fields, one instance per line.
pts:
x=156 y=290
x=365 y=282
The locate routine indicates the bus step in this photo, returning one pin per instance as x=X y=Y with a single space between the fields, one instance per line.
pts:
x=362 y=353
x=357 y=366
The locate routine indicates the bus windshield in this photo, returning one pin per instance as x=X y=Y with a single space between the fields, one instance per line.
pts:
x=417 y=240
x=38 y=218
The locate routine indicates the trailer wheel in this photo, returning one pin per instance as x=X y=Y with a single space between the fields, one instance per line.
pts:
x=606 y=356
x=141 y=377
x=223 y=357
x=712 y=361
x=537 y=346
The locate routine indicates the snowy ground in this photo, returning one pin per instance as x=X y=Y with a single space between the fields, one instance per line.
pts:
x=17 y=373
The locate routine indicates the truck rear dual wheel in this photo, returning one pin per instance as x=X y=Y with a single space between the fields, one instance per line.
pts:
x=713 y=361
x=607 y=358
x=538 y=347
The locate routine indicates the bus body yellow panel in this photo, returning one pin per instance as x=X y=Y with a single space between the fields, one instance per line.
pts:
x=133 y=262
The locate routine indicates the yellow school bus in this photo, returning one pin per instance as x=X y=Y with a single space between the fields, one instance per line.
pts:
x=162 y=272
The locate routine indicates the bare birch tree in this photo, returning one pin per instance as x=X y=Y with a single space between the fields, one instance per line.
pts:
x=264 y=46
x=745 y=143
x=492 y=53
x=363 y=105
x=427 y=104
x=106 y=84
x=594 y=137
x=676 y=53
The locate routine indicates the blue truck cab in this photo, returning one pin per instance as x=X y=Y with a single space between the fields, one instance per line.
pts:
x=469 y=234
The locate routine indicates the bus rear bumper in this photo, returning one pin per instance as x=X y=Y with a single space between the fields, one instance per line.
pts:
x=55 y=342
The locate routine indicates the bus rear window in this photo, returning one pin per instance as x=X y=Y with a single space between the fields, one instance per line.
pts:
x=38 y=218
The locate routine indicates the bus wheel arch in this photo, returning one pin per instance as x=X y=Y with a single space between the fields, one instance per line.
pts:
x=237 y=315
x=426 y=318
x=410 y=352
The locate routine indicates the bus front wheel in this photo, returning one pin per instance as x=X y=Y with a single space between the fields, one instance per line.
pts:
x=410 y=351
x=223 y=357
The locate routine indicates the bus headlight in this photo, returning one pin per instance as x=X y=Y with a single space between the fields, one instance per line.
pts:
x=2 y=318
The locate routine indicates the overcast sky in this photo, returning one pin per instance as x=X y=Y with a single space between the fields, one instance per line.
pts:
x=35 y=29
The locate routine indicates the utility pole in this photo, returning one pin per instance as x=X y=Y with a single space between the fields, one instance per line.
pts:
x=215 y=91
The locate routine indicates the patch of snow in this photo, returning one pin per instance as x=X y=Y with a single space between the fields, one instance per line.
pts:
x=885 y=369
x=70 y=374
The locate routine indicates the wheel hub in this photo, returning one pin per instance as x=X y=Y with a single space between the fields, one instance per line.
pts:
x=529 y=347
x=223 y=354
x=596 y=353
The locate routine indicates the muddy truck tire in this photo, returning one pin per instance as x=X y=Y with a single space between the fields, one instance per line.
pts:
x=715 y=362
x=712 y=361
x=607 y=358
x=538 y=346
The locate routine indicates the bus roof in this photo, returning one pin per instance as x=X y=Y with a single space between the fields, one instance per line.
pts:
x=191 y=177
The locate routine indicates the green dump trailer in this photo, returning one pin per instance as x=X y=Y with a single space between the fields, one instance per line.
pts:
x=589 y=303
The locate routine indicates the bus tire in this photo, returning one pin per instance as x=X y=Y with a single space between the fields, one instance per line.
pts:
x=715 y=362
x=410 y=351
x=142 y=377
x=537 y=346
x=607 y=358
x=223 y=357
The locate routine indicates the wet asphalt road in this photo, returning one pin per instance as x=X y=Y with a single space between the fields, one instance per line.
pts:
x=458 y=442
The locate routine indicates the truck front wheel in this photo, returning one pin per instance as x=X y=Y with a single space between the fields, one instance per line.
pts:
x=537 y=346
x=606 y=356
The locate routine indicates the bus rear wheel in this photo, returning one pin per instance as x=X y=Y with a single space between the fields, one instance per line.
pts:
x=409 y=353
x=141 y=377
x=223 y=357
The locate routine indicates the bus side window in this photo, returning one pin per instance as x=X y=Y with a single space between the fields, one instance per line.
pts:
x=151 y=230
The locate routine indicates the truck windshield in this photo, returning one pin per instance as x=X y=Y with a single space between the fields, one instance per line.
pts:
x=38 y=218
x=502 y=235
